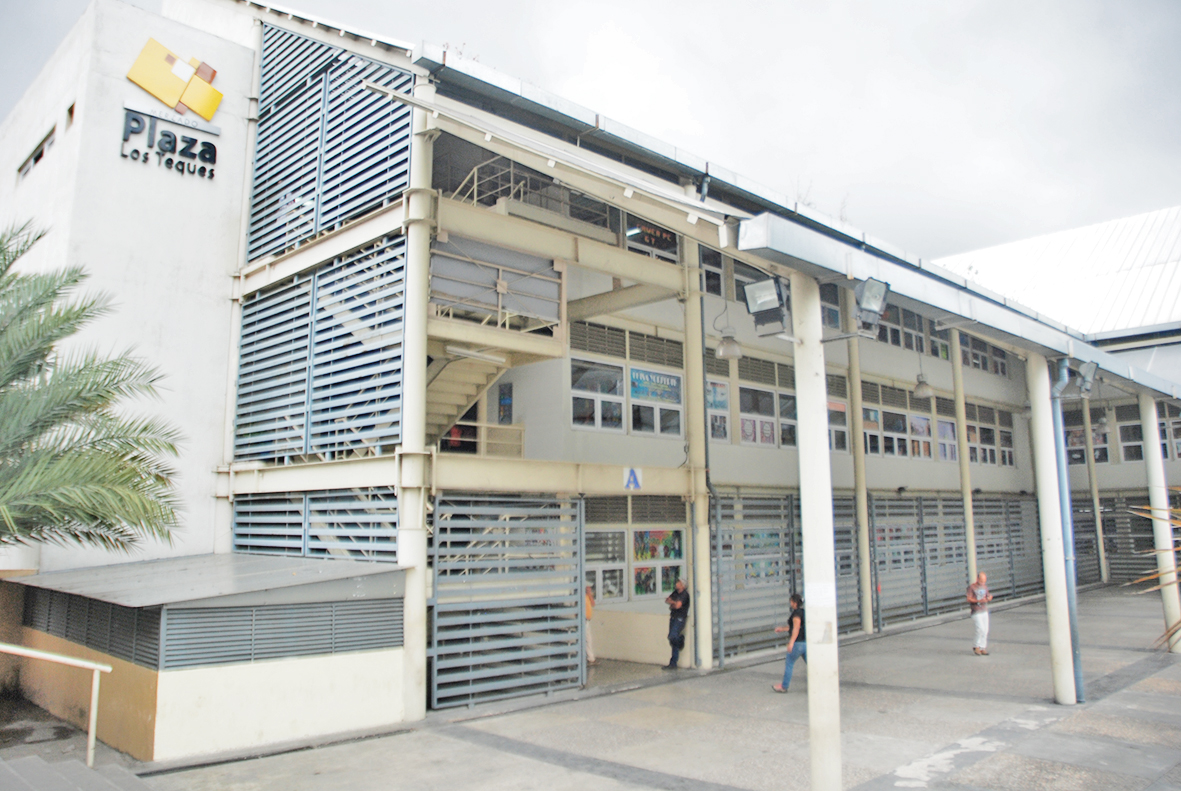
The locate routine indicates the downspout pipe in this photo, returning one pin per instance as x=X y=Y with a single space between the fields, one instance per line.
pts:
x=715 y=517
x=1067 y=523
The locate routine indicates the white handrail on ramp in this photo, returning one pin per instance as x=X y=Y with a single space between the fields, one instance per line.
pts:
x=61 y=659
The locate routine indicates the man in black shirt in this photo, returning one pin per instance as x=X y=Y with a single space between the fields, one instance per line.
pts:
x=678 y=614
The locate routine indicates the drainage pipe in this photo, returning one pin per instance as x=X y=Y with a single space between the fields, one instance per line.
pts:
x=1067 y=524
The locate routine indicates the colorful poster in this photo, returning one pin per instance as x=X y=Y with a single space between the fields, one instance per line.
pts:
x=717 y=396
x=657 y=545
x=654 y=386
x=645 y=581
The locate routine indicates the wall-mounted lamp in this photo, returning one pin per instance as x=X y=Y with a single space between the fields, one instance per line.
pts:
x=871 y=297
x=765 y=302
x=1086 y=381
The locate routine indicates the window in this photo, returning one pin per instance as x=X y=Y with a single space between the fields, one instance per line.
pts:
x=787 y=420
x=872 y=420
x=920 y=433
x=606 y=563
x=830 y=305
x=744 y=274
x=1007 y=457
x=838 y=433
x=947 y=441
x=890 y=326
x=940 y=341
x=38 y=154
x=1131 y=437
x=711 y=266
x=597 y=395
x=756 y=416
x=902 y=327
x=1076 y=437
x=655 y=402
x=981 y=444
x=651 y=240
x=504 y=404
x=658 y=561
x=896 y=434
x=977 y=354
x=717 y=404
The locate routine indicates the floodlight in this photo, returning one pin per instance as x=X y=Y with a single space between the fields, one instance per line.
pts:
x=763 y=295
x=871 y=300
x=1086 y=373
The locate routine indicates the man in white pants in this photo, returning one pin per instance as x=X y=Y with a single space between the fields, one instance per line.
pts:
x=978 y=599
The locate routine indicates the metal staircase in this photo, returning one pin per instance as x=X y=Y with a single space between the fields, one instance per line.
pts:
x=454 y=384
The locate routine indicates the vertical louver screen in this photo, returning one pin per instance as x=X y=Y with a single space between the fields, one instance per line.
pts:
x=326 y=382
x=327 y=150
x=354 y=524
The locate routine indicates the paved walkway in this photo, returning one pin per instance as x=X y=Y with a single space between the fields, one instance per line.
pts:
x=918 y=710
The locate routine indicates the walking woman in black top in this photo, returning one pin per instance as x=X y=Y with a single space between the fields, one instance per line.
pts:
x=797 y=644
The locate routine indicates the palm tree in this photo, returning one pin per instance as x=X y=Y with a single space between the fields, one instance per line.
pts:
x=74 y=468
x=1173 y=515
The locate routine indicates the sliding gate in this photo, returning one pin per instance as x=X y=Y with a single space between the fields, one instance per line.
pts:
x=506 y=615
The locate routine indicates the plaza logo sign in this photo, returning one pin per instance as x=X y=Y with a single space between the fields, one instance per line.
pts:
x=184 y=88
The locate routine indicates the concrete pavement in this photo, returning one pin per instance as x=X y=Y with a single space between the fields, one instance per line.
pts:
x=919 y=710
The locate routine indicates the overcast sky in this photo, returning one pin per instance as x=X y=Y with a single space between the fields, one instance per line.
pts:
x=939 y=126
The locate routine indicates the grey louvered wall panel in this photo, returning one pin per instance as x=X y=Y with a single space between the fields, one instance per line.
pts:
x=356 y=399
x=348 y=352
x=271 y=418
x=204 y=636
x=354 y=524
x=328 y=150
x=132 y=635
x=506 y=619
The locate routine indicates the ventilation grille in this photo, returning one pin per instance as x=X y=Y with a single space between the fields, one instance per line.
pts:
x=648 y=509
x=1072 y=418
x=357 y=524
x=752 y=369
x=328 y=150
x=132 y=635
x=598 y=339
x=206 y=636
x=871 y=393
x=787 y=376
x=606 y=510
x=920 y=404
x=944 y=407
x=337 y=334
x=970 y=412
x=1127 y=413
x=717 y=367
x=838 y=386
x=892 y=396
x=987 y=414
x=661 y=351
x=1005 y=419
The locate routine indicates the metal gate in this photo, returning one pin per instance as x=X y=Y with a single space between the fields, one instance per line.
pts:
x=757 y=565
x=506 y=614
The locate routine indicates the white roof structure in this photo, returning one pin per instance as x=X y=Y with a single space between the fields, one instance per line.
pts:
x=1100 y=279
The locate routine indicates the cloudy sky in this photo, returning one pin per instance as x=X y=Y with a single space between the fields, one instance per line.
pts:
x=939 y=126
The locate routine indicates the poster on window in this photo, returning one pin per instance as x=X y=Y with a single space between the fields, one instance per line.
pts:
x=645 y=581
x=717 y=396
x=655 y=386
x=718 y=427
x=657 y=545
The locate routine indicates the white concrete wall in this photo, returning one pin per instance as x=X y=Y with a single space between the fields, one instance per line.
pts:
x=163 y=247
x=236 y=707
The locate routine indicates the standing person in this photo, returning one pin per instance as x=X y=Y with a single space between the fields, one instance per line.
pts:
x=590 y=611
x=978 y=599
x=678 y=614
x=797 y=644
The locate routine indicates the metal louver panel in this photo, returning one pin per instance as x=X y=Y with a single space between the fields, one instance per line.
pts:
x=650 y=349
x=649 y=509
x=598 y=339
x=132 y=635
x=204 y=636
x=507 y=614
x=838 y=386
x=787 y=376
x=327 y=150
x=987 y=414
x=354 y=524
x=893 y=396
x=606 y=510
x=752 y=369
x=871 y=393
x=715 y=366
x=270 y=418
x=920 y=404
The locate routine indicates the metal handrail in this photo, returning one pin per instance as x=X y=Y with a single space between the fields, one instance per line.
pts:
x=62 y=659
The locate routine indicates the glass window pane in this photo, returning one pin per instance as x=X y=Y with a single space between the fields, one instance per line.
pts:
x=612 y=584
x=668 y=578
x=670 y=421
x=658 y=545
x=596 y=378
x=946 y=430
x=756 y=402
x=787 y=434
x=717 y=396
x=584 y=411
x=1131 y=433
x=920 y=426
x=643 y=418
x=719 y=427
x=645 y=581
x=606 y=546
x=870 y=420
x=1133 y=453
x=787 y=406
x=893 y=421
x=840 y=440
x=987 y=436
x=612 y=412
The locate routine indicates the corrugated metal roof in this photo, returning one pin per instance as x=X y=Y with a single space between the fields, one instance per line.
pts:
x=151 y=583
x=1109 y=277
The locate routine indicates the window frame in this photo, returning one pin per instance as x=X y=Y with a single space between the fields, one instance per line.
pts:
x=598 y=398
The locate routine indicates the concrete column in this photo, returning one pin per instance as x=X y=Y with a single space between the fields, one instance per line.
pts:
x=412 y=538
x=1094 y=481
x=1045 y=467
x=961 y=449
x=860 y=493
x=1162 y=530
x=695 y=434
x=820 y=591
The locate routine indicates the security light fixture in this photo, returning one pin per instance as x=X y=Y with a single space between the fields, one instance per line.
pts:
x=766 y=303
x=1086 y=373
x=871 y=300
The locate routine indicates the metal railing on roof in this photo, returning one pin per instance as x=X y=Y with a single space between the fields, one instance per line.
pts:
x=499 y=177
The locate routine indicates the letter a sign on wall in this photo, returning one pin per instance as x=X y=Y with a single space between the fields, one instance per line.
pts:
x=633 y=479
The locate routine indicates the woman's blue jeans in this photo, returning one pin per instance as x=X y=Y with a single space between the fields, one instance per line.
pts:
x=798 y=650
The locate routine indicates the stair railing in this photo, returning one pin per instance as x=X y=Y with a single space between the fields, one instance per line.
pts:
x=61 y=659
